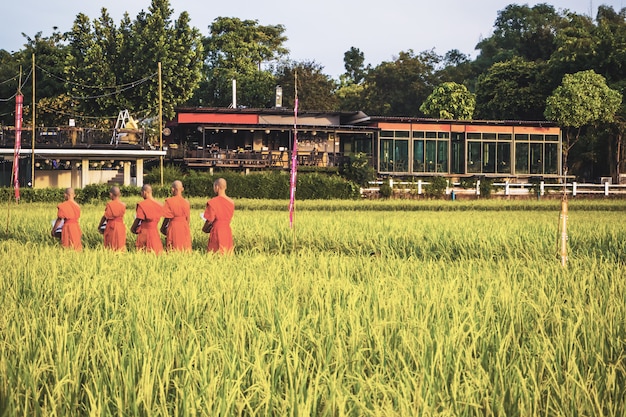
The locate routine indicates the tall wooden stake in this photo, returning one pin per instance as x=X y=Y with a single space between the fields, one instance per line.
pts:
x=563 y=225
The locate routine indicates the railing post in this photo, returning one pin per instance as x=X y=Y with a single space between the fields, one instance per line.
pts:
x=507 y=188
x=419 y=187
x=606 y=188
x=574 y=189
x=477 y=187
x=542 y=187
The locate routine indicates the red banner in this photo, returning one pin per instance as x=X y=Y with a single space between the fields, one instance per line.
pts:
x=19 y=101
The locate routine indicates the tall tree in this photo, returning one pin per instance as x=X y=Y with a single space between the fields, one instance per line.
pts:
x=350 y=90
x=527 y=32
x=239 y=49
x=353 y=61
x=511 y=90
x=398 y=88
x=583 y=99
x=315 y=89
x=112 y=68
x=450 y=101
x=49 y=54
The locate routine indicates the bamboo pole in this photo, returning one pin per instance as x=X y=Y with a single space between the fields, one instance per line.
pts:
x=563 y=229
x=563 y=224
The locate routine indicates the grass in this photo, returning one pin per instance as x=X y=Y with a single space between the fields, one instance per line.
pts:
x=401 y=312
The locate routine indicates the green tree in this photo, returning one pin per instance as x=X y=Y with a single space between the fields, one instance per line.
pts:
x=450 y=101
x=582 y=99
x=239 y=49
x=457 y=67
x=354 y=61
x=398 y=88
x=49 y=55
x=113 y=68
x=511 y=90
x=349 y=93
x=315 y=89
x=523 y=31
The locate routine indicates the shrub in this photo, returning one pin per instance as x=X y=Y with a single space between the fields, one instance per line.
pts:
x=436 y=187
x=385 y=190
x=486 y=187
x=358 y=169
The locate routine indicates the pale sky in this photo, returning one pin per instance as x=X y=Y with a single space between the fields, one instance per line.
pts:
x=320 y=31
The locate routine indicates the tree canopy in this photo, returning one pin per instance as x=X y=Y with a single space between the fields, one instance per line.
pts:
x=450 y=101
x=98 y=68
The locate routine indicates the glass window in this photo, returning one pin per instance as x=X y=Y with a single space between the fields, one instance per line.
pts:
x=386 y=155
x=443 y=135
x=442 y=156
x=431 y=155
x=418 y=134
x=402 y=133
x=552 y=138
x=536 y=158
x=386 y=133
x=458 y=156
x=418 y=156
x=489 y=136
x=504 y=158
x=551 y=159
x=401 y=156
x=489 y=157
x=504 y=136
x=474 y=162
x=537 y=138
x=431 y=135
x=521 y=136
x=473 y=136
x=521 y=158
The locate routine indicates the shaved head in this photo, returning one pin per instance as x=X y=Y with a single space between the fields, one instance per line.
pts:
x=177 y=188
x=146 y=188
x=115 y=191
x=220 y=184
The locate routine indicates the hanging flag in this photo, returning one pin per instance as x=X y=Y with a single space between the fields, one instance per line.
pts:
x=19 y=100
x=294 y=165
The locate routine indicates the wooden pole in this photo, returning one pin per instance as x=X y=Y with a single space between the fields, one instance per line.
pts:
x=563 y=228
x=563 y=224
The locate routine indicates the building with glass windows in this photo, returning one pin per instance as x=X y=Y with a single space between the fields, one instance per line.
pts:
x=420 y=147
x=262 y=139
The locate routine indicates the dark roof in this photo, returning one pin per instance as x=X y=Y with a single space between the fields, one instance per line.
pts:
x=402 y=119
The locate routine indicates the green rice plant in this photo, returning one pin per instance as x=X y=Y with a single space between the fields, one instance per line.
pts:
x=373 y=311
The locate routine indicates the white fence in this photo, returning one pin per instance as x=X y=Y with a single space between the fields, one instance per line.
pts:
x=505 y=188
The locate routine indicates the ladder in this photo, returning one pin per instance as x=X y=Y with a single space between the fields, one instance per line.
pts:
x=122 y=119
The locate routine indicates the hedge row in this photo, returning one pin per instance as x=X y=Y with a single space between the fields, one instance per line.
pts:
x=260 y=186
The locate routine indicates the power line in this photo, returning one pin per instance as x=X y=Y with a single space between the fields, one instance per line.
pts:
x=124 y=86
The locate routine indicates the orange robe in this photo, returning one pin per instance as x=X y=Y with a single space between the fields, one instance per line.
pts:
x=220 y=211
x=148 y=239
x=71 y=234
x=178 y=237
x=115 y=231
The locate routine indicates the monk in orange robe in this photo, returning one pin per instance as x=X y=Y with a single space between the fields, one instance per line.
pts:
x=145 y=226
x=112 y=223
x=68 y=212
x=219 y=212
x=176 y=220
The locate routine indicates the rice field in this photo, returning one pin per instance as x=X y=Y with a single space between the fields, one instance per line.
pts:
x=364 y=309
